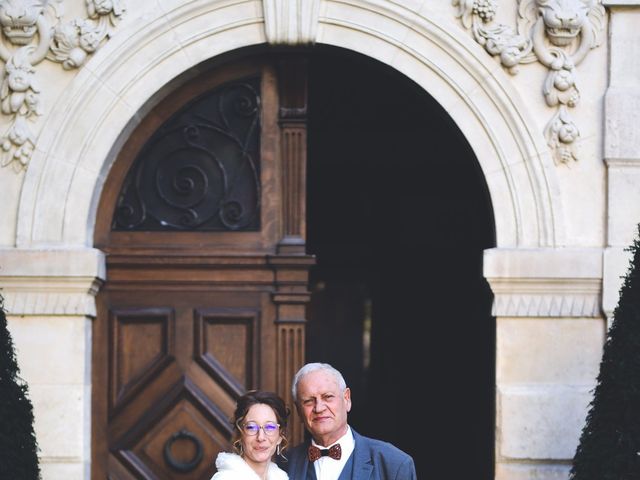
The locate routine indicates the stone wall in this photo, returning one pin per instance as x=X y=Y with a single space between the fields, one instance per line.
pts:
x=553 y=127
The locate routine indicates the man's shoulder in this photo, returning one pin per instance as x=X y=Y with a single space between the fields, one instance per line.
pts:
x=382 y=448
x=385 y=456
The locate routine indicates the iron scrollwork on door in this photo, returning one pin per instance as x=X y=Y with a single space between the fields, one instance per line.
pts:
x=201 y=170
x=179 y=466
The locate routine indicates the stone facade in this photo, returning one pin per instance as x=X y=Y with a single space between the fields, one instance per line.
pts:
x=563 y=175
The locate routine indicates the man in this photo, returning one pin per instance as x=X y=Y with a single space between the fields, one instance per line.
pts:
x=336 y=451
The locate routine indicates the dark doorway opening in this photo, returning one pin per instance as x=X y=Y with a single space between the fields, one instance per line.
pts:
x=398 y=215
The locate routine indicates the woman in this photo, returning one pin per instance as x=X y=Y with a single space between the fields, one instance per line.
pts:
x=260 y=423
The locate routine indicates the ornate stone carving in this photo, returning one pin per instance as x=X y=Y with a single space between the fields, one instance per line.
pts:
x=74 y=41
x=21 y=20
x=73 y=300
x=546 y=297
x=558 y=34
x=51 y=281
x=497 y=39
x=559 y=282
x=32 y=31
x=19 y=92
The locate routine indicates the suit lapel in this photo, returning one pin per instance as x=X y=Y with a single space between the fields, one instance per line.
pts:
x=302 y=468
x=310 y=471
x=362 y=465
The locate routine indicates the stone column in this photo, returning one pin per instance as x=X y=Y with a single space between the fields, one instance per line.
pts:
x=549 y=337
x=621 y=144
x=49 y=296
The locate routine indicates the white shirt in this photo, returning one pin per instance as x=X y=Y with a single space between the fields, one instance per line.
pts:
x=326 y=467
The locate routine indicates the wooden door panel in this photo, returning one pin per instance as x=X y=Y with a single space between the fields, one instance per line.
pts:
x=225 y=343
x=193 y=316
x=176 y=438
x=175 y=371
x=141 y=347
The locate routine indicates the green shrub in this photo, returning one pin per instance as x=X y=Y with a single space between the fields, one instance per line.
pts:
x=609 y=447
x=18 y=446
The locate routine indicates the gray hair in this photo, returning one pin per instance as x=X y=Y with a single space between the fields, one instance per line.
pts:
x=314 y=367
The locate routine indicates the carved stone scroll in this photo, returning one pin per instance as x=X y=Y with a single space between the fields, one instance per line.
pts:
x=558 y=34
x=32 y=30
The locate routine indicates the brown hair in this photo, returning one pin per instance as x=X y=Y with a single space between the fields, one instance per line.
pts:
x=254 y=397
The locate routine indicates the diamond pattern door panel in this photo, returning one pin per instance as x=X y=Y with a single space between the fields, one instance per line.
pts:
x=176 y=367
x=141 y=346
x=220 y=335
x=177 y=438
x=201 y=219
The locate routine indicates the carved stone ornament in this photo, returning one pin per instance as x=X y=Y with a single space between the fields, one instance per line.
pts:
x=558 y=34
x=32 y=30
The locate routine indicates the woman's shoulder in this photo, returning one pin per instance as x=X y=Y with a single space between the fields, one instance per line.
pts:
x=229 y=465
x=226 y=460
x=276 y=473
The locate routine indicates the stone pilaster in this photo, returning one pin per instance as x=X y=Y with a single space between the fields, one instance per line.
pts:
x=49 y=295
x=621 y=144
x=549 y=336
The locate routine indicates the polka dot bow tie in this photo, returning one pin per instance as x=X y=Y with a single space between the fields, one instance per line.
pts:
x=334 y=452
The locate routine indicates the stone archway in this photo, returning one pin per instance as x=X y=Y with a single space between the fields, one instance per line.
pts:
x=82 y=135
x=123 y=81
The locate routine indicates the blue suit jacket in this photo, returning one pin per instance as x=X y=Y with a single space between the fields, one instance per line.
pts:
x=372 y=460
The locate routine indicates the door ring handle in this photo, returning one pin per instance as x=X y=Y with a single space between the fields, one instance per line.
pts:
x=183 y=466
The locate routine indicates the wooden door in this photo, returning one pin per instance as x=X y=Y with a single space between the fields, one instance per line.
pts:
x=202 y=220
